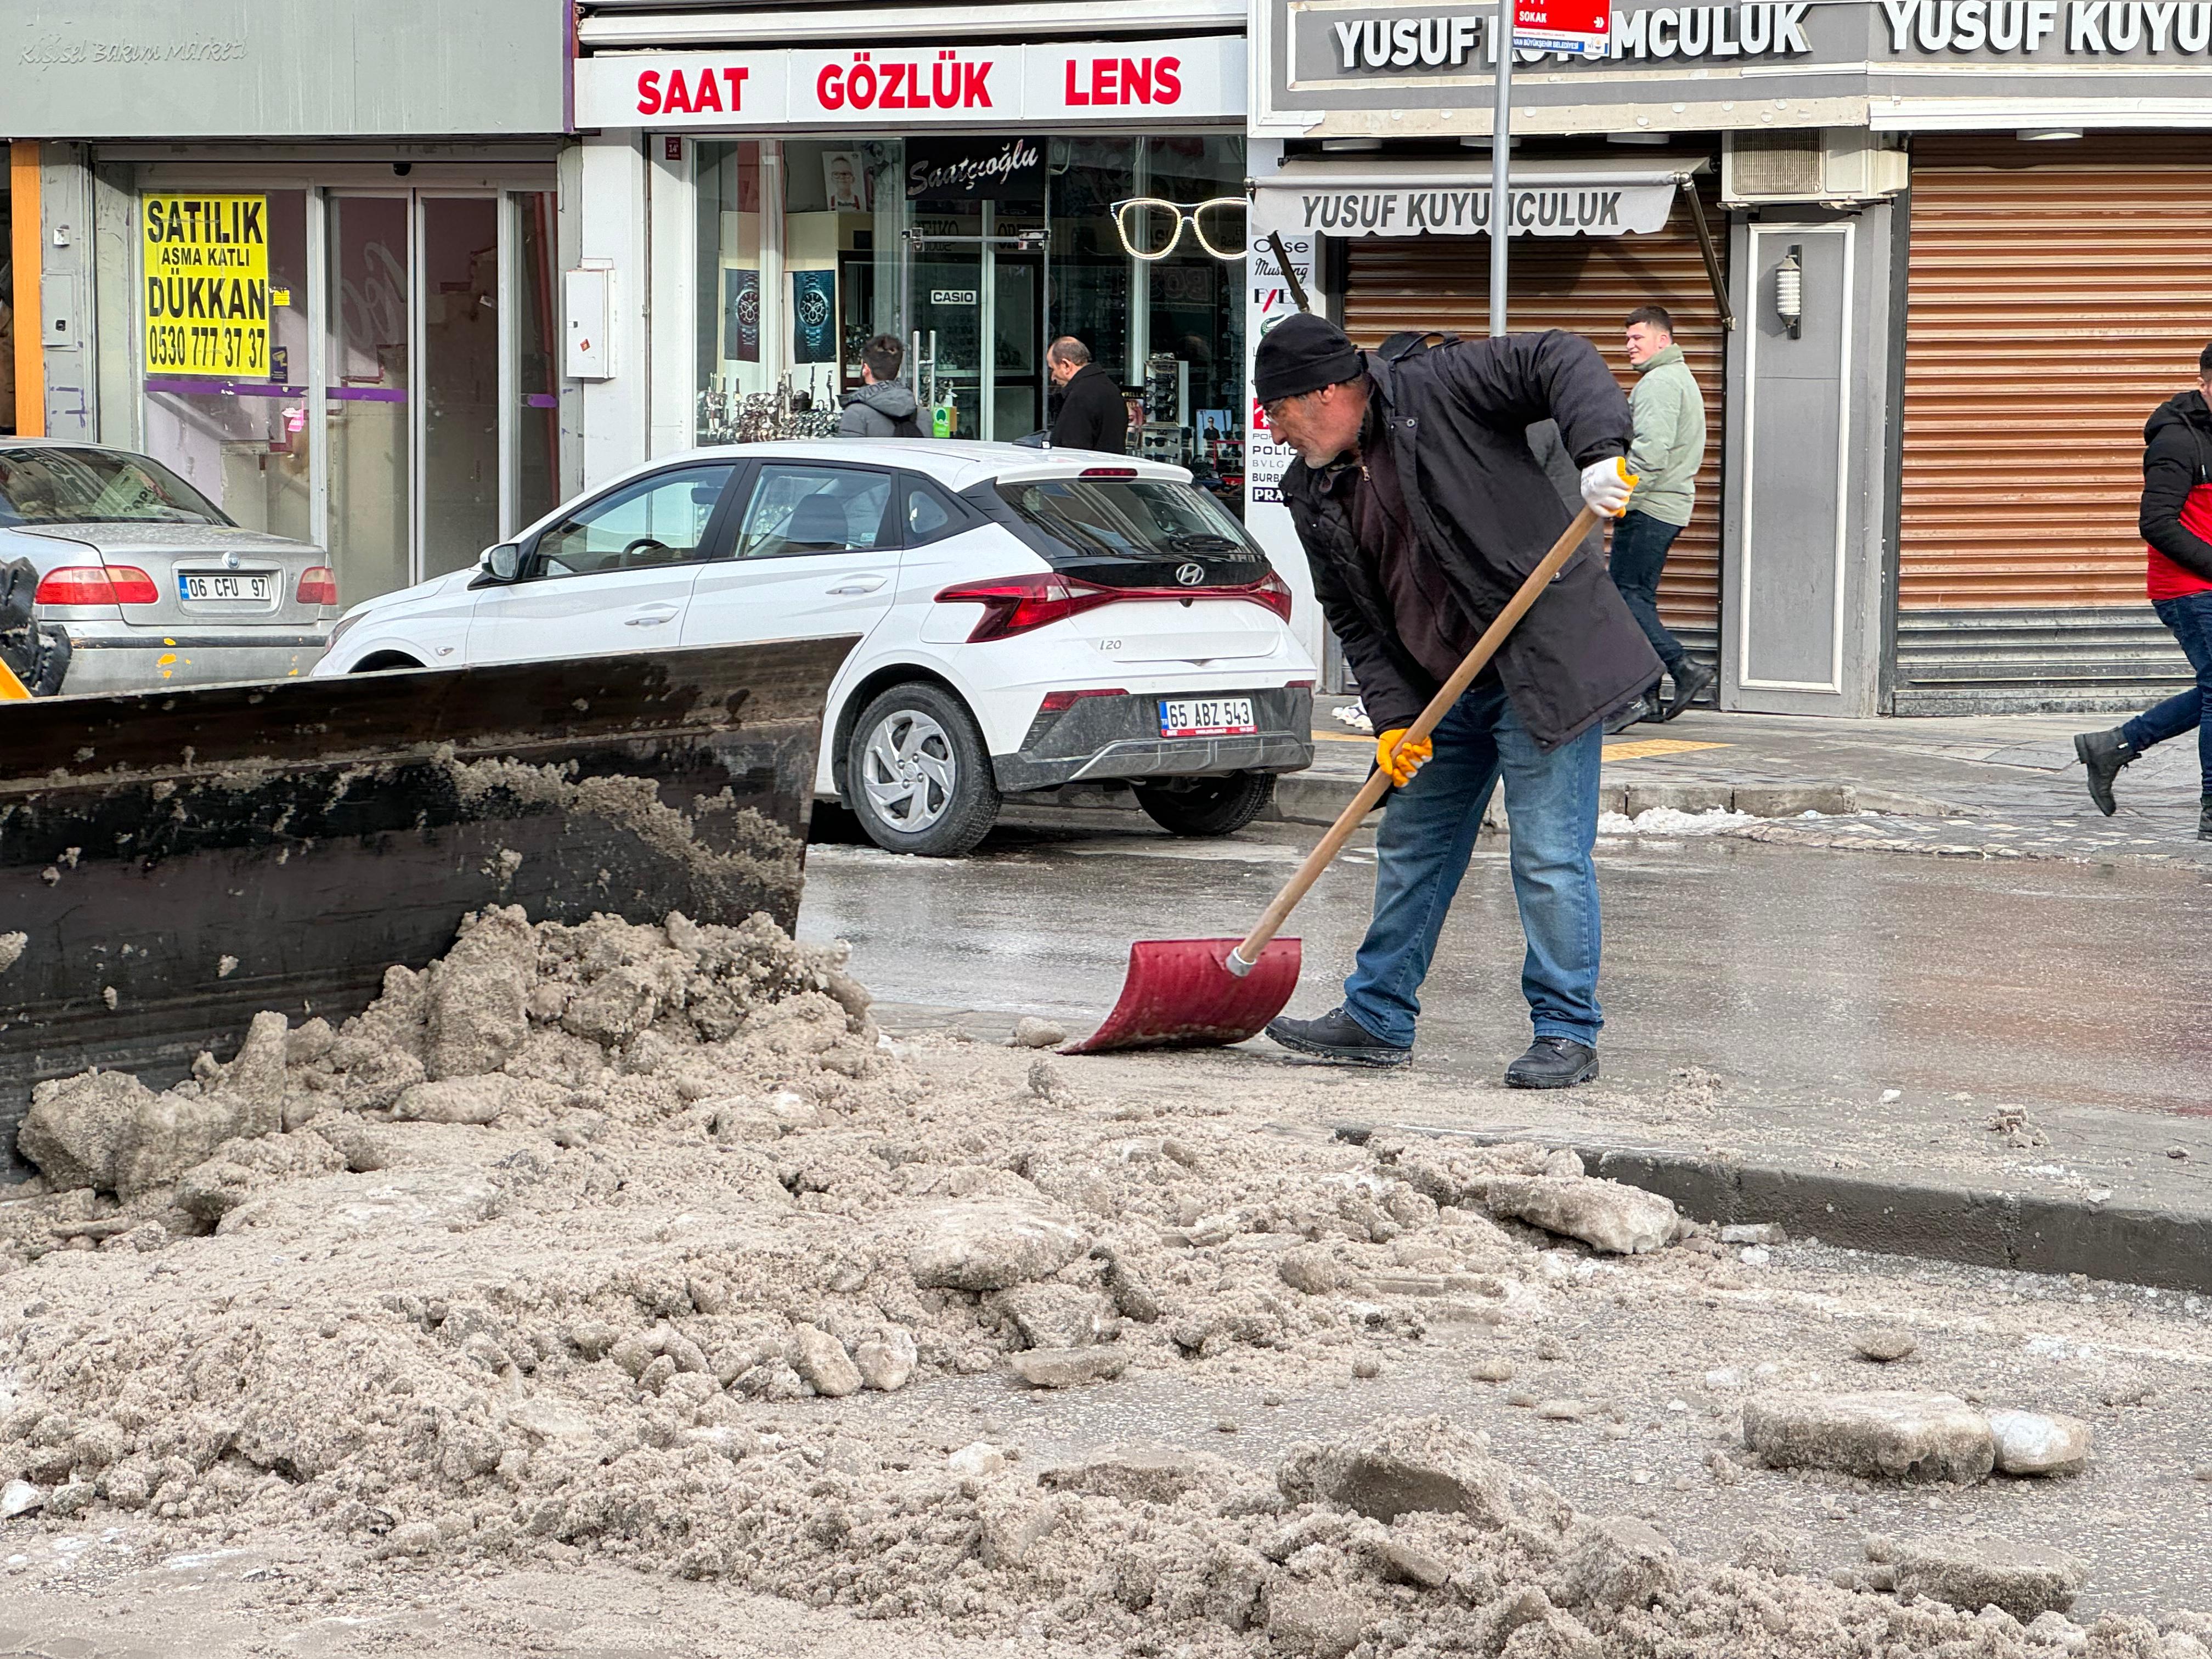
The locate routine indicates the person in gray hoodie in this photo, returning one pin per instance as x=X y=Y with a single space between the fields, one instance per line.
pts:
x=1669 y=448
x=881 y=407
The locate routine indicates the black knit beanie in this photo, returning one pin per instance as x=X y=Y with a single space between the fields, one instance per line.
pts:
x=1302 y=354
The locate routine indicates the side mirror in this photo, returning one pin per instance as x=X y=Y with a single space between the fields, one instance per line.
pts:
x=503 y=563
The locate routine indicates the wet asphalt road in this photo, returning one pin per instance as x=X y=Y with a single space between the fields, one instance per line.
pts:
x=1803 y=974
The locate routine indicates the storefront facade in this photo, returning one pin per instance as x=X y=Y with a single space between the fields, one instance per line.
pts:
x=312 y=270
x=1960 y=274
x=776 y=198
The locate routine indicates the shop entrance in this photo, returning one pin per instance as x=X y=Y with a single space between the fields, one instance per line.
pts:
x=976 y=338
x=402 y=412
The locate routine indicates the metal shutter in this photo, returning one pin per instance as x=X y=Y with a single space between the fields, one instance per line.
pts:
x=1587 y=285
x=2057 y=292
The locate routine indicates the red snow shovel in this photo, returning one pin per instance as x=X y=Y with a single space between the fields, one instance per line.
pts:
x=1205 y=993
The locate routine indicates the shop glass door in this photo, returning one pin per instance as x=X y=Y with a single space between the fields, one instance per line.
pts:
x=370 y=375
x=948 y=326
x=425 y=328
x=1017 y=345
x=457 y=458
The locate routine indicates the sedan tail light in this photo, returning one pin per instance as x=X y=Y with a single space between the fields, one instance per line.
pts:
x=319 y=585
x=92 y=584
x=1015 y=604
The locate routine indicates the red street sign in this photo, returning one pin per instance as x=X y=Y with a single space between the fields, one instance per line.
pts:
x=1582 y=26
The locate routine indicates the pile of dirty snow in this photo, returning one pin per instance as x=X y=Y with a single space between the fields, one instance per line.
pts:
x=613 y=1241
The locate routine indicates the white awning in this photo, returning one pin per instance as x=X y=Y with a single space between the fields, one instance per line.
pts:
x=625 y=24
x=1549 y=197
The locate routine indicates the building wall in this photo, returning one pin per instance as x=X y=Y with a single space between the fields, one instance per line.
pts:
x=324 y=69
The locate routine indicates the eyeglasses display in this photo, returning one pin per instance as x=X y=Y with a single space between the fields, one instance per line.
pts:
x=1150 y=228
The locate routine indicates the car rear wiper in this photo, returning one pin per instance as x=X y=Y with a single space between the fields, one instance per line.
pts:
x=1199 y=541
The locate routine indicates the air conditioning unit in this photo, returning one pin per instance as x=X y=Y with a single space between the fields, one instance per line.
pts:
x=1809 y=164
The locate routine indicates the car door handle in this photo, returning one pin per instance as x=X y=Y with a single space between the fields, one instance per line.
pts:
x=860 y=585
x=651 y=618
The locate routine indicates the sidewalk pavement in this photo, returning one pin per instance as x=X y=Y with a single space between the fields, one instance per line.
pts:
x=2003 y=785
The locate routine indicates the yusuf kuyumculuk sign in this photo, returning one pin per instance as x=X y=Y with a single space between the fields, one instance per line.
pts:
x=1407 y=69
x=206 y=285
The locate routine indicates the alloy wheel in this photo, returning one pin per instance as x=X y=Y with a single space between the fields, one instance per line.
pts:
x=909 y=770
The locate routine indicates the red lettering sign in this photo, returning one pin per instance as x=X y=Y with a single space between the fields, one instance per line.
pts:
x=952 y=84
x=678 y=99
x=1123 y=81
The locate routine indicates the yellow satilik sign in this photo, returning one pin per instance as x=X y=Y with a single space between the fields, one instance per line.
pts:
x=207 y=285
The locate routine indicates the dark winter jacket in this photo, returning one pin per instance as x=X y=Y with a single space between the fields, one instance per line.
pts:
x=1457 y=417
x=885 y=409
x=1093 y=415
x=2177 y=459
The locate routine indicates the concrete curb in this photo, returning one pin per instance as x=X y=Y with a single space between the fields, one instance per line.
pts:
x=1304 y=798
x=1982 y=1228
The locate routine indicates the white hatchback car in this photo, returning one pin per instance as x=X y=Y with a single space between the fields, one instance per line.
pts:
x=1029 y=618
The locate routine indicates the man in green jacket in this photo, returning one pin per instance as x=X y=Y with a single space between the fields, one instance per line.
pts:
x=1668 y=449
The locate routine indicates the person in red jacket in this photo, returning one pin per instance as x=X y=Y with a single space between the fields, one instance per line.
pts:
x=2176 y=520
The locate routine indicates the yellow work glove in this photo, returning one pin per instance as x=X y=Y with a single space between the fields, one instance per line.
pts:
x=1401 y=760
x=1606 y=485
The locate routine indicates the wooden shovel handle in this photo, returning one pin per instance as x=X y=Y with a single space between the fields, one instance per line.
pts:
x=1247 y=955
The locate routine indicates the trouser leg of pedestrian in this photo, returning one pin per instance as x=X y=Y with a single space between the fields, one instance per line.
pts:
x=1640 y=542
x=1428 y=832
x=1551 y=811
x=2190 y=619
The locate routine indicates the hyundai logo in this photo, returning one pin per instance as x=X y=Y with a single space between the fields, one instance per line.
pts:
x=1190 y=575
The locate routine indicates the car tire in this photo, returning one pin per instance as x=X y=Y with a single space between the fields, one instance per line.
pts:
x=949 y=799
x=1207 y=806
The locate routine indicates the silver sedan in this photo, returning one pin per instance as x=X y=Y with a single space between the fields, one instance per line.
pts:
x=152 y=584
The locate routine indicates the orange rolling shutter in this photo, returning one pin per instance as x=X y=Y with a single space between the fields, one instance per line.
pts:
x=2051 y=308
x=1587 y=285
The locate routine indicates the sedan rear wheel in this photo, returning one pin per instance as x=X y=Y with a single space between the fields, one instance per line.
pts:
x=917 y=774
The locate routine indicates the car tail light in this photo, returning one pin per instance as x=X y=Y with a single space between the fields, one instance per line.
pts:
x=92 y=584
x=1059 y=702
x=1272 y=591
x=1015 y=604
x=1108 y=473
x=319 y=585
x=1299 y=685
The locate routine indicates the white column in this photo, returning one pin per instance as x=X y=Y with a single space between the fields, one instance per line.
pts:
x=612 y=236
x=671 y=308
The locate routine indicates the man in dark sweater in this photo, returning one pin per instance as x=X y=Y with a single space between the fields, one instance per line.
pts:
x=2176 y=522
x=1422 y=510
x=1093 y=414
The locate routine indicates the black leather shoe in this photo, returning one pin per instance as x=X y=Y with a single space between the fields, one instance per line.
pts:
x=1690 y=679
x=1336 y=1036
x=1552 y=1062
x=2102 y=755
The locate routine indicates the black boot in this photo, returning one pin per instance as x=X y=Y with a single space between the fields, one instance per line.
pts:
x=1552 y=1062
x=2204 y=819
x=2102 y=755
x=1690 y=679
x=1628 y=714
x=1336 y=1036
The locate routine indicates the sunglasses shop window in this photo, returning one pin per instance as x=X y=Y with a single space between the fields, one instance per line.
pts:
x=970 y=254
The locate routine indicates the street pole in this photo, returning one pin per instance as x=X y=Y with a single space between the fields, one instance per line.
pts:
x=1501 y=148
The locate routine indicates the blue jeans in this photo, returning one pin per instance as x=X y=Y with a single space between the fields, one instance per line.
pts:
x=1428 y=832
x=2191 y=619
x=1640 y=554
